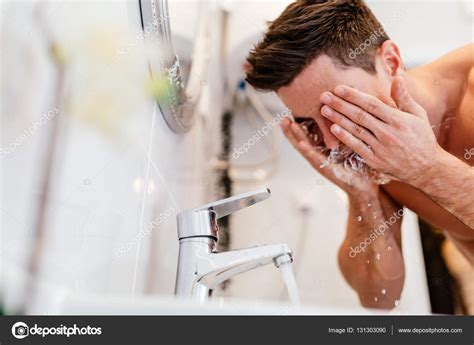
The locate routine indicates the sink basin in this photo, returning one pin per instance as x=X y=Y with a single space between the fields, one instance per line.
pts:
x=169 y=305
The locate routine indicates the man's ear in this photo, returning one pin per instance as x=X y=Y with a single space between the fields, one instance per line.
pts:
x=389 y=56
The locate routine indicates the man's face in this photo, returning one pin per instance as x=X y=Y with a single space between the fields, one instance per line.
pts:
x=323 y=74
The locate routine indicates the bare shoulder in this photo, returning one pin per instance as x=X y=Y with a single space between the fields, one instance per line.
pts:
x=455 y=64
x=455 y=73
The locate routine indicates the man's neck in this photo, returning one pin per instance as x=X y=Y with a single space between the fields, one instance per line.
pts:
x=427 y=92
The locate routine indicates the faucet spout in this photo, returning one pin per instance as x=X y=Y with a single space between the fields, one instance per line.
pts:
x=219 y=267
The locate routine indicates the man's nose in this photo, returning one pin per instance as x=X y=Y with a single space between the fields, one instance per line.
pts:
x=329 y=139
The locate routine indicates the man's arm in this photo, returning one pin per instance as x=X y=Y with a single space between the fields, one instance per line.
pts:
x=370 y=258
x=450 y=183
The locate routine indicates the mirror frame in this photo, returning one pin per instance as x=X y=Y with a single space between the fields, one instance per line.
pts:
x=181 y=103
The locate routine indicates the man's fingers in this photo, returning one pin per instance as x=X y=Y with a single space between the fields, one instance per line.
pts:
x=306 y=147
x=369 y=103
x=312 y=155
x=297 y=136
x=353 y=128
x=299 y=133
x=402 y=97
x=352 y=142
x=353 y=112
x=286 y=127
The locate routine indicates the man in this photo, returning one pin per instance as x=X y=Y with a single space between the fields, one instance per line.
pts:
x=415 y=126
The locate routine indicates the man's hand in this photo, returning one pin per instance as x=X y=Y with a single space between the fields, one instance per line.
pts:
x=399 y=142
x=349 y=181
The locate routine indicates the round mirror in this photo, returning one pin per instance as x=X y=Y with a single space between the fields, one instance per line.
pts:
x=177 y=95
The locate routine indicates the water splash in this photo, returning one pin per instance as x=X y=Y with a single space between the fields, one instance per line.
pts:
x=355 y=163
x=350 y=160
x=446 y=122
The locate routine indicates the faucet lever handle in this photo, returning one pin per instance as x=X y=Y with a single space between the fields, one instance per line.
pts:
x=230 y=205
x=201 y=221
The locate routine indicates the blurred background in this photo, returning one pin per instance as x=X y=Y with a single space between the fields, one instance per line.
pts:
x=89 y=159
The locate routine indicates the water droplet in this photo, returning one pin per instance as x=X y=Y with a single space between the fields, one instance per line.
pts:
x=383 y=291
x=376 y=299
x=368 y=261
x=375 y=216
x=389 y=248
x=377 y=256
x=369 y=204
x=397 y=303
x=87 y=181
x=359 y=218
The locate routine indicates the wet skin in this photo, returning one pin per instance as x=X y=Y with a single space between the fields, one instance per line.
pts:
x=445 y=90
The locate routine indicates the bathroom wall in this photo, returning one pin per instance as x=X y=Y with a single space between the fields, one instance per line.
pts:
x=424 y=37
x=117 y=165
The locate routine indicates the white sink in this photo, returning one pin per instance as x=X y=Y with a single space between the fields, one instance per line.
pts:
x=124 y=305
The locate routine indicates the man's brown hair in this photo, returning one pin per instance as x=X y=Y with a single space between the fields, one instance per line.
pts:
x=309 y=28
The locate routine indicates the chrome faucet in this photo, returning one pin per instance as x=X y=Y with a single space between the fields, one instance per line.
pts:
x=200 y=267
